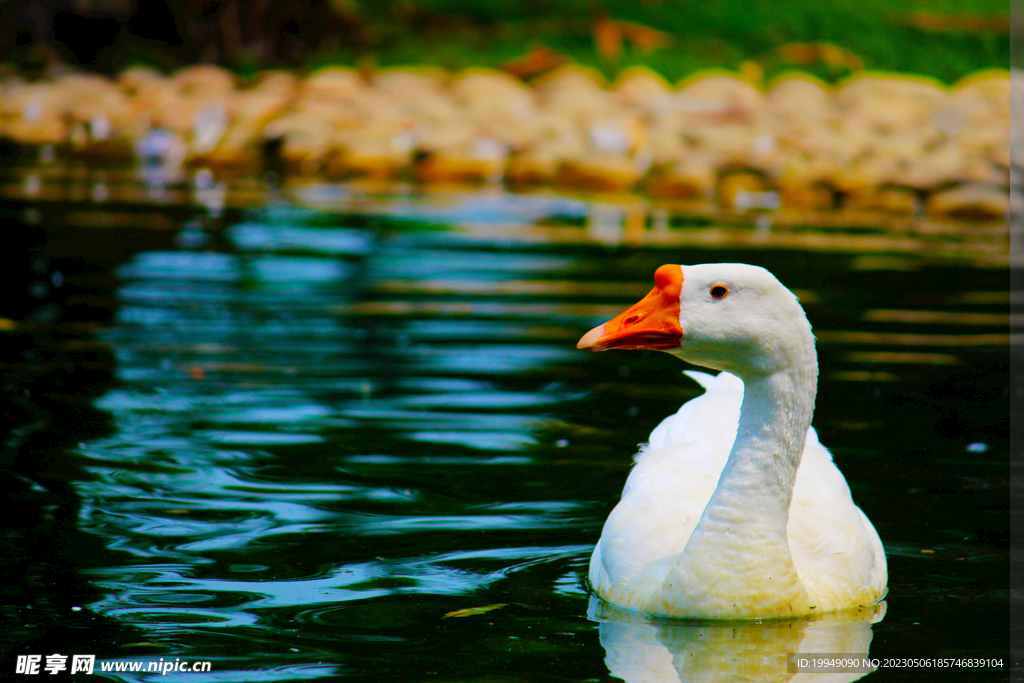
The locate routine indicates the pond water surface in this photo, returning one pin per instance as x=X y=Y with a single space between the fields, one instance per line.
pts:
x=304 y=434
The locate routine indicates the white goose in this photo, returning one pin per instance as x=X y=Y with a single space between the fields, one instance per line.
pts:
x=734 y=509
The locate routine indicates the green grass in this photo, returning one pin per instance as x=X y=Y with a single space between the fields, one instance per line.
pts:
x=462 y=33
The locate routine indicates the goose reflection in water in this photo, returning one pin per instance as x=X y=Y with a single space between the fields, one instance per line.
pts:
x=643 y=649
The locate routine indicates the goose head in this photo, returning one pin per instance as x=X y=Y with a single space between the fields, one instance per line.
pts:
x=727 y=316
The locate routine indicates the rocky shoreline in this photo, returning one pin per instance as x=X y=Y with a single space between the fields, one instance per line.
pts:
x=894 y=143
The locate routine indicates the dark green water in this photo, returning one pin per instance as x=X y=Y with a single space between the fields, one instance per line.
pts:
x=289 y=439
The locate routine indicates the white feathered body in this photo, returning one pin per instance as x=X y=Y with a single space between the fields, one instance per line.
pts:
x=836 y=552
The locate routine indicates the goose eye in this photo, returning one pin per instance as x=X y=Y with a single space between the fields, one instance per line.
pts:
x=719 y=291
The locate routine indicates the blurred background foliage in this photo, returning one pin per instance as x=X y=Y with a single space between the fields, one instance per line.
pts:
x=942 y=38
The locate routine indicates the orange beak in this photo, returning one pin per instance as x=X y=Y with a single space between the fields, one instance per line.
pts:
x=653 y=323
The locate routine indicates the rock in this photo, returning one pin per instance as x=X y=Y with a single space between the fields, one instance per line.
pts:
x=746 y=190
x=972 y=202
x=602 y=171
x=481 y=161
x=691 y=178
x=638 y=86
x=333 y=83
x=799 y=98
x=892 y=200
x=724 y=94
x=538 y=166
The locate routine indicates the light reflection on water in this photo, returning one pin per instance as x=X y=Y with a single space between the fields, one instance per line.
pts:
x=330 y=434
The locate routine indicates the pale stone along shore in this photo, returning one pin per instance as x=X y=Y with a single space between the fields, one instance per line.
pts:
x=878 y=141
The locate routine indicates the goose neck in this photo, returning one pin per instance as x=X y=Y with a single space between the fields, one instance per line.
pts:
x=761 y=470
